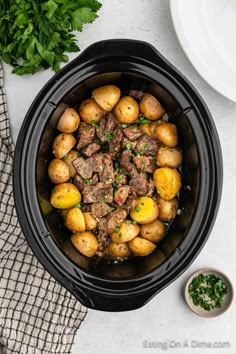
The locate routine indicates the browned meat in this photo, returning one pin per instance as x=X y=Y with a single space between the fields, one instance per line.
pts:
x=96 y=163
x=110 y=123
x=132 y=200
x=79 y=182
x=103 y=227
x=99 y=210
x=121 y=181
x=86 y=208
x=128 y=144
x=147 y=146
x=100 y=193
x=121 y=195
x=106 y=126
x=82 y=167
x=115 y=142
x=86 y=134
x=108 y=170
x=136 y=94
x=101 y=130
x=126 y=165
x=116 y=218
x=94 y=180
x=139 y=185
x=133 y=132
x=145 y=163
x=91 y=149
x=151 y=188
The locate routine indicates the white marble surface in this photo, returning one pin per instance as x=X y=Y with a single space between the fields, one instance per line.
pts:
x=165 y=318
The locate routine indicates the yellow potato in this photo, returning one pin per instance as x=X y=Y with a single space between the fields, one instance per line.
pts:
x=74 y=220
x=58 y=171
x=167 y=181
x=141 y=247
x=126 y=232
x=146 y=211
x=126 y=110
x=167 y=134
x=85 y=242
x=146 y=128
x=62 y=144
x=65 y=195
x=119 y=249
x=90 y=111
x=90 y=222
x=151 y=107
x=170 y=157
x=167 y=208
x=69 y=121
x=68 y=159
x=154 y=231
x=106 y=96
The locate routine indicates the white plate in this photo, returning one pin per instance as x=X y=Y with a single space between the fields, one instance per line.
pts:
x=207 y=32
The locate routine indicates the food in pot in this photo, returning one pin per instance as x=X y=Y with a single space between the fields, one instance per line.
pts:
x=116 y=178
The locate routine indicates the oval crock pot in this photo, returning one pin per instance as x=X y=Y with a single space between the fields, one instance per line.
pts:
x=96 y=282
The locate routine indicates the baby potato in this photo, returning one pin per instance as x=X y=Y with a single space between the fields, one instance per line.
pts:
x=85 y=242
x=90 y=111
x=68 y=159
x=62 y=144
x=74 y=220
x=58 y=171
x=167 y=134
x=106 y=96
x=151 y=107
x=146 y=128
x=69 y=121
x=45 y=205
x=126 y=110
x=170 y=157
x=154 y=231
x=126 y=232
x=120 y=249
x=64 y=196
x=167 y=208
x=141 y=247
x=90 y=222
x=146 y=211
x=167 y=181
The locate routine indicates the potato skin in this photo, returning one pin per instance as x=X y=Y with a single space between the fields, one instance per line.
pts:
x=120 y=249
x=69 y=121
x=126 y=232
x=68 y=159
x=64 y=196
x=126 y=110
x=146 y=211
x=167 y=134
x=85 y=242
x=170 y=157
x=90 y=111
x=167 y=208
x=151 y=107
x=74 y=220
x=141 y=247
x=146 y=128
x=58 y=171
x=154 y=231
x=62 y=144
x=90 y=222
x=167 y=181
x=106 y=96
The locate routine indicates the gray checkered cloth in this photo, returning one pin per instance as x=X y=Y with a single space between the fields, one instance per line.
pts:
x=37 y=315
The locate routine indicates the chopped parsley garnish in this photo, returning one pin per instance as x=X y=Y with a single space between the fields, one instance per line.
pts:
x=124 y=125
x=65 y=157
x=106 y=210
x=134 y=222
x=144 y=147
x=102 y=200
x=102 y=142
x=128 y=222
x=128 y=146
x=109 y=136
x=133 y=126
x=117 y=165
x=87 y=181
x=137 y=209
x=79 y=154
x=120 y=234
x=119 y=178
x=78 y=205
x=144 y=163
x=96 y=124
x=116 y=229
x=112 y=149
x=114 y=185
x=143 y=120
x=53 y=190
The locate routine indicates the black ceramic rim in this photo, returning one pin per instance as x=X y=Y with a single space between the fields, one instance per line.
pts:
x=142 y=59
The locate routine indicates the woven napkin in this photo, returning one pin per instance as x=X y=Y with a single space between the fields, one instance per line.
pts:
x=37 y=315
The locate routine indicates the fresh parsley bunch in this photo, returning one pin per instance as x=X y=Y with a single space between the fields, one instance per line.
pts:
x=35 y=34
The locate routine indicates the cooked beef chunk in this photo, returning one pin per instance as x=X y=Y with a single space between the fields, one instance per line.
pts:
x=121 y=181
x=82 y=167
x=96 y=163
x=99 y=210
x=139 y=185
x=116 y=218
x=106 y=126
x=86 y=208
x=115 y=142
x=121 y=195
x=145 y=163
x=128 y=144
x=147 y=146
x=132 y=201
x=126 y=165
x=103 y=237
x=79 y=182
x=103 y=227
x=136 y=94
x=101 y=130
x=133 y=133
x=86 y=134
x=94 y=194
x=94 y=180
x=110 y=122
x=108 y=170
x=151 y=188
x=91 y=149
